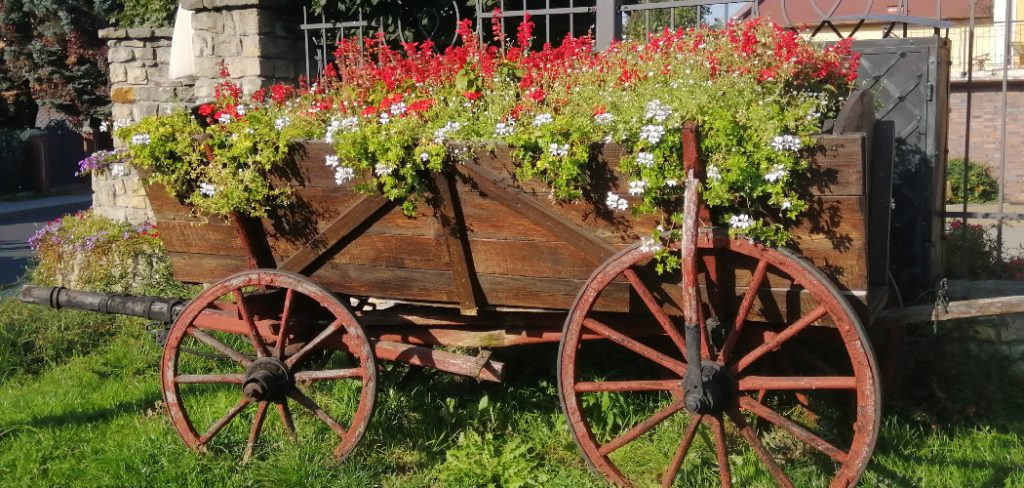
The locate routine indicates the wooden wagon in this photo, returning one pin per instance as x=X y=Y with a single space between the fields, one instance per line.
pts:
x=318 y=292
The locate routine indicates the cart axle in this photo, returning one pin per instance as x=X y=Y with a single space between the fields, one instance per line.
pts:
x=153 y=308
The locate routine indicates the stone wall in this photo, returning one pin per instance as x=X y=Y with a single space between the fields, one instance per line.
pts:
x=258 y=41
x=139 y=84
x=119 y=195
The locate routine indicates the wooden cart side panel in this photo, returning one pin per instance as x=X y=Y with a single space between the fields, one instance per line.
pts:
x=518 y=262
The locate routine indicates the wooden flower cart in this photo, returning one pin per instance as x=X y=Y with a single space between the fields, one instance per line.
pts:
x=310 y=298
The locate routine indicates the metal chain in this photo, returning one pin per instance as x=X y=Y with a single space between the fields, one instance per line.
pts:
x=941 y=300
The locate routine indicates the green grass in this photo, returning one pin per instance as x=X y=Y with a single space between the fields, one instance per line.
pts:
x=82 y=408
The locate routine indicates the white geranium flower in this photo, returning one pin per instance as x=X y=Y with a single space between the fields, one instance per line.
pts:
x=331 y=161
x=424 y=157
x=657 y=111
x=224 y=118
x=502 y=129
x=207 y=189
x=637 y=187
x=645 y=159
x=652 y=133
x=616 y=202
x=384 y=118
x=542 y=119
x=118 y=170
x=604 y=118
x=398 y=108
x=786 y=143
x=140 y=139
x=558 y=150
x=343 y=174
x=713 y=172
x=282 y=122
x=740 y=221
x=105 y=126
x=382 y=169
x=649 y=244
x=240 y=109
x=777 y=173
x=786 y=204
x=441 y=134
x=671 y=183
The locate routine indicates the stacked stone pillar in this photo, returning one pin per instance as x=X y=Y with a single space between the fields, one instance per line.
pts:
x=258 y=41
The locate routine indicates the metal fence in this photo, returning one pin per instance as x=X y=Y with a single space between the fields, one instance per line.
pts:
x=986 y=75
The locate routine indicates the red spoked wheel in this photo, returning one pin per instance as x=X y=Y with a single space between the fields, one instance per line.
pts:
x=264 y=341
x=791 y=382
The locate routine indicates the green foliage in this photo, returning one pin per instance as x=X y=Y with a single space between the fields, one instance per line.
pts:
x=481 y=461
x=34 y=338
x=51 y=47
x=972 y=253
x=146 y=13
x=981 y=186
x=91 y=252
x=94 y=419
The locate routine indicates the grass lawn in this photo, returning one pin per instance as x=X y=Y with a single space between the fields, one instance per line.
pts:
x=80 y=406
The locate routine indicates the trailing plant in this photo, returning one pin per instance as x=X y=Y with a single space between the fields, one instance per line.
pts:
x=757 y=91
x=91 y=252
x=981 y=186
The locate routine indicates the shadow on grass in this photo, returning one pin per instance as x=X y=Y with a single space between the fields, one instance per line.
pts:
x=75 y=418
x=955 y=409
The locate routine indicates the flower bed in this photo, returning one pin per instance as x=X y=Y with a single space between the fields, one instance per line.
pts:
x=757 y=91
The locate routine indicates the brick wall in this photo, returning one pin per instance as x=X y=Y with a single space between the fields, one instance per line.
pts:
x=986 y=119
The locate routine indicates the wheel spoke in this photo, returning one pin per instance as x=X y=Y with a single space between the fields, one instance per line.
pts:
x=329 y=374
x=629 y=343
x=684 y=447
x=223 y=421
x=311 y=405
x=254 y=334
x=721 y=450
x=781 y=337
x=286 y=419
x=744 y=310
x=254 y=434
x=207 y=379
x=659 y=314
x=639 y=385
x=330 y=329
x=641 y=428
x=795 y=429
x=220 y=346
x=753 y=383
x=750 y=436
x=282 y=333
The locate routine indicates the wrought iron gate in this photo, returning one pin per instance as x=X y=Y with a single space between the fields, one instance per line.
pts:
x=909 y=78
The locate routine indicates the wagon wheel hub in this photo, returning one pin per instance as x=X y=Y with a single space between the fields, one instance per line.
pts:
x=716 y=393
x=267 y=379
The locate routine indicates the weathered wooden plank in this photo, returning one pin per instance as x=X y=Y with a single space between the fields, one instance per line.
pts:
x=204 y=268
x=187 y=237
x=981 y=307
x=331 y=239
x=593 y=247
x=837 y=166
x=459 y=257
